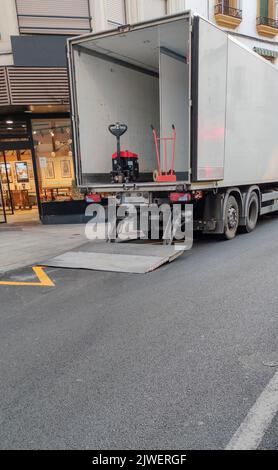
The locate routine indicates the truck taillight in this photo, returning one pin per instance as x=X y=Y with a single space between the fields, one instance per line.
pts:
x=93 y=198
x=180 y=197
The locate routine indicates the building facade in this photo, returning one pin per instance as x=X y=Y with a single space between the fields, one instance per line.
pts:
x=36 y=162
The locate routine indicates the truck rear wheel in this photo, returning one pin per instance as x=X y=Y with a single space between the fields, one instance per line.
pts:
x=252 y=213
x=231 y=218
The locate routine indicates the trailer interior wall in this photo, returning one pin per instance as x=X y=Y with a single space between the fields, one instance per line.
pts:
x=174 y=109
x=109 y=93
x=237 y=100
x=138 y=78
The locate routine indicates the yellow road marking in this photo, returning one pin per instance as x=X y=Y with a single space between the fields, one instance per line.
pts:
x=42 y=276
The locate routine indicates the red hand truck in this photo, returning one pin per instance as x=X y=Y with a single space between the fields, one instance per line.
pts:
x=165 y=176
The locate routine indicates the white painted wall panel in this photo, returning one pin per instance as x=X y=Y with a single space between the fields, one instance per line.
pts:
x=202 y=7
x=107 y=93
x=8 y=28
x=154 y=8
x=116 y=14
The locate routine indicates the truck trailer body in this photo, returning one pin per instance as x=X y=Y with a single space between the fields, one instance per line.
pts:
x=184 y=71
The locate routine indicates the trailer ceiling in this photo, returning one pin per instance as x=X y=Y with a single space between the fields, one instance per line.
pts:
x=142 y=47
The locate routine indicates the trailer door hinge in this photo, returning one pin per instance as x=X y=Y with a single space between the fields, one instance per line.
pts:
x=124 y=28
x=190 y=103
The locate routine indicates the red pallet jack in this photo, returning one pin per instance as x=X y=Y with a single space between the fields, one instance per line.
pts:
x=159 y=175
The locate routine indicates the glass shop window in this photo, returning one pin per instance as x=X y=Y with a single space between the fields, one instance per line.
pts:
x=53 y=146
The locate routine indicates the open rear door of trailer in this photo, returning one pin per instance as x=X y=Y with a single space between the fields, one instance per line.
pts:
x=209 y=80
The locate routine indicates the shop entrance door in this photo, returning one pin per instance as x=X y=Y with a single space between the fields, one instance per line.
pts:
x=18 y=185
x=18 y=173
x=3 y=218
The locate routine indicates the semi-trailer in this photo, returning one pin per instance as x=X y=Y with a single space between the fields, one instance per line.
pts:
x=221 y=98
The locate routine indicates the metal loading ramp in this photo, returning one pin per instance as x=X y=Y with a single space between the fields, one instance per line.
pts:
x=134 y=258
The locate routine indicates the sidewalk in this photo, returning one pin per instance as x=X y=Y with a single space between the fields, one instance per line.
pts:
x=29 y=244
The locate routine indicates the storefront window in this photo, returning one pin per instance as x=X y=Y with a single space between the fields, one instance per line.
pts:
x=53 y=147
x=18 y=184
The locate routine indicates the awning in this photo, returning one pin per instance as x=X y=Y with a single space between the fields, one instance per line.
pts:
x=266 y=52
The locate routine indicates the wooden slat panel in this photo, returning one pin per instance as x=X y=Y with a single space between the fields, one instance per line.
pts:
x=53 y=7
x=54 y=26
x=31 y=85
x=4 y=93
x=52 y=16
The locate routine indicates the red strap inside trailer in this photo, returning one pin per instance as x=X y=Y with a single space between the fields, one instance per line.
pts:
x=125 y=154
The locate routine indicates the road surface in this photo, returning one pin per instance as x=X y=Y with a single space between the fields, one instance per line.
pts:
x=175 y=359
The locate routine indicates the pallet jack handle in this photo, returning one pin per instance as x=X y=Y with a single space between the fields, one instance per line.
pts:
x=118 y=130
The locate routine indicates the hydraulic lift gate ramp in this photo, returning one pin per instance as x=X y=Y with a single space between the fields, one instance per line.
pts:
x=136 y=258
x=132 y=256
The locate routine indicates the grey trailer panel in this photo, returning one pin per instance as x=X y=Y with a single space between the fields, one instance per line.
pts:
x=174 y=109
x=252 y=128
x=211 y=107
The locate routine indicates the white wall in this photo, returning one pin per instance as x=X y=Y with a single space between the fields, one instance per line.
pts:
x=153 y=8
x=248 y=24
x=99 y=14
x=203 y=7
x=8 y=27
x=247 y=27
x=139 y=10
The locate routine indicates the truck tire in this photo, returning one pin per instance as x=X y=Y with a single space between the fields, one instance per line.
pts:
x=231 y=218
x=252 y=213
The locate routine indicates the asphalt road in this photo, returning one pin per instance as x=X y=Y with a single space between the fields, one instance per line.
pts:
x=169 y=360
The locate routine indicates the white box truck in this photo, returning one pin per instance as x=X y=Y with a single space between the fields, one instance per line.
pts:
x=221 y=97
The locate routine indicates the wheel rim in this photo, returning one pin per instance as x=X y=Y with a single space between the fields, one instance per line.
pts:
x=155 y=175
x=232 y=218
x=253 y=213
